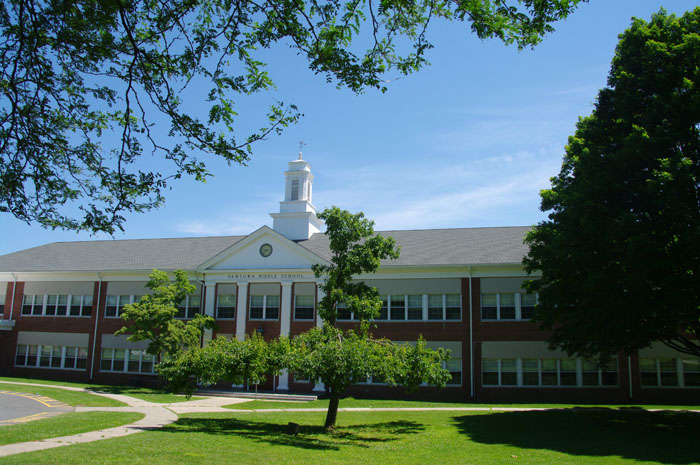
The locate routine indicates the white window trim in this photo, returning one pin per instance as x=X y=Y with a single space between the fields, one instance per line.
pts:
x=518 y=306
x=40 y=350
x=313 y=308
x=264 y=317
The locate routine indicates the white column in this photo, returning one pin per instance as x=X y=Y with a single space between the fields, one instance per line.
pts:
x=319 y=387
x=285 y=323
x=209 y=306
x=321 y=295
x=286 y=309
x=241 y=306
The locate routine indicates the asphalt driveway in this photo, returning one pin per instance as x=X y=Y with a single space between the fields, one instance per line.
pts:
x=21 y=407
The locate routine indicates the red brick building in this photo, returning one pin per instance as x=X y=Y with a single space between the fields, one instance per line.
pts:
x=458 y=288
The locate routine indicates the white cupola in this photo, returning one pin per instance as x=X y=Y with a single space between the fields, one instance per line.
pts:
x=296 y=219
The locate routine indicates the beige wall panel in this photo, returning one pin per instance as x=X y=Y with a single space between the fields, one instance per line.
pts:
x=53 y=339
x=264 y=289
x=502 y=285
x=110 y=341
x=455 y=347
x=226 y=289
x=416 y=286
x=660 y=350
x=304 y=288
x=127 y=288
x=59 y=288
x=519 y=349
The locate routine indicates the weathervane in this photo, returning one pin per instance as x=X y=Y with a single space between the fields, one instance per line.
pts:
x=301 y=145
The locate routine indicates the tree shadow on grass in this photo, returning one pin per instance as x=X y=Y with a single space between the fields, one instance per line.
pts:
x=664 y=437
x=309 y=437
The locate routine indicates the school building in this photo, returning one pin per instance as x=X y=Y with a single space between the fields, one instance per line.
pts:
x=459 y=288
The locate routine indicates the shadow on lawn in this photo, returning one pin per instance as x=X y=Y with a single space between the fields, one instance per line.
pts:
x=665 y=437
x=309 y=437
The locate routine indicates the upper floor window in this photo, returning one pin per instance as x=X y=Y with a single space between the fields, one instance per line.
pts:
x=508 y=306
x=264 y=307
x=2 y=304
x=115 y=304
x=226 y=306
x=303 y=307
x=57 y=305
x=189 y=307
x=414 y=307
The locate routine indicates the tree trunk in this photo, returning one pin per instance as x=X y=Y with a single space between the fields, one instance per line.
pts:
x=332 y=411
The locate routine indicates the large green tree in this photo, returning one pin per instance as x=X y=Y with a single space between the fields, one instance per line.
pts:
x=338 y=357
x=620 y=252
x=153 y=319
x=88 y=86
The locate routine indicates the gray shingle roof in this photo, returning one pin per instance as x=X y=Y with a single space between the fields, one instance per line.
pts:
x=459 y=246
x=118 y=255
x=464 y=246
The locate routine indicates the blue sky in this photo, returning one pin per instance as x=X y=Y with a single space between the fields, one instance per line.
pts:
x=468 y=141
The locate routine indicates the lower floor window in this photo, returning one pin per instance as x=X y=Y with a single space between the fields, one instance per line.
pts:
x=669 y=372
x=45 y=356
x=126 y=360
x=532 y=372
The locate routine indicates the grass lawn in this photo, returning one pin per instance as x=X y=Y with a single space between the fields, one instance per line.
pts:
x=65 y=425
x=147 y=394
x=74 y=398
x=567 y=436
x=350 y=402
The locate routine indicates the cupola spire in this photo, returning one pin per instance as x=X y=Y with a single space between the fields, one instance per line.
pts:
x=297 y=219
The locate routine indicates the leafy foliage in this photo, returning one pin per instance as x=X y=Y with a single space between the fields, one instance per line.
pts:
x=339 y=357
x=355 y=249
x=620 y=252
x=234 y=361
x=153 y=317
x=75 y=73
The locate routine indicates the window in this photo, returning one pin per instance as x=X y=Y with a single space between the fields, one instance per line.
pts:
x=264 y=307
x=567 y=372
x=80 y=305
x=384 y=310
x=649 y=373
x=531 y=372
x=126 y=360
x=226 y=306
x=508 y=306
x=489 y=372
x=303 y=307
x=59 y=357
x=57 y=305
x=691 y=372
x=397 y=307
x=435 y=307
x=295 y=189
x=453 y=307
x=527 y=306
x=2 y=304
x=115 y=305
x=509 y=372
x=189 y=307
x=660 y=372
x=343 y=313
x=669 y=371
x=454 y=366
x=415 y=307
x=547 y=372
x=33 y=305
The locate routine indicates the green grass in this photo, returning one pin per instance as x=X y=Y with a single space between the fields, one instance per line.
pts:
x=350 y=402
x=566 y=436
x=74 y=398
x=65 y=425
x=147 y=394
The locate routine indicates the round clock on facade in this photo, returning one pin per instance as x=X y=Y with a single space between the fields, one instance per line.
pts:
x=265 y=250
